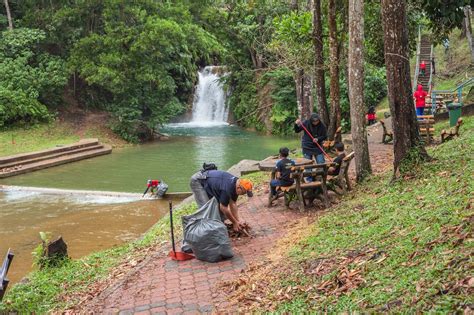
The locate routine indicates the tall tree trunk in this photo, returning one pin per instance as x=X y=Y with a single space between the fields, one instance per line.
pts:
x=404 y=124
x=303 y=85
x=299 y=91
x=319 y=63
x=9 y=16
x=463 y=29
x=467 y=21
x=294 y=5
x=335 y=116
x=307 y=96
x=356 y=89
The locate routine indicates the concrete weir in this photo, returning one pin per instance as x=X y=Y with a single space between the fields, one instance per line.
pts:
x=33 y=161
x=54 y=191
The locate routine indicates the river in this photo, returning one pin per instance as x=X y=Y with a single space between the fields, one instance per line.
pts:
x=93 y=223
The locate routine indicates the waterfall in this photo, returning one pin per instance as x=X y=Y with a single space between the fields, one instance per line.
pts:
x=209 y=106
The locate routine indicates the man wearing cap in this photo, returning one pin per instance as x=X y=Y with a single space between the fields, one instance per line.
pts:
x=225 y=187
x=318 y=130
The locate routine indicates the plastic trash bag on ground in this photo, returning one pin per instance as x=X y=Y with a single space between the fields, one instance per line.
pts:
x=206 y=234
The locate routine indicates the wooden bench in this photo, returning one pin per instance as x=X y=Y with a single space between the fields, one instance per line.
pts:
x=426 y=127
x=445 y=135
x=387 y=135
x=296 y=191
x=341 y=180
x=3 y=273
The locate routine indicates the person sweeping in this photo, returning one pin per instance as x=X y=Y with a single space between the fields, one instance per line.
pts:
x=314 y=134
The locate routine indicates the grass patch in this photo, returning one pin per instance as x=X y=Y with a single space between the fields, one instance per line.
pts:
x=35 y=138
x=382 y=108
x=53 y=289
x=454 y=67
x=18 y=140
x=258 y=178
x=401 y=247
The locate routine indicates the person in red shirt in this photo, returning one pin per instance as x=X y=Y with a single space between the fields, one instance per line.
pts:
x=154 y=184
x=419 y=97
x=423 y=68
x=371 y=118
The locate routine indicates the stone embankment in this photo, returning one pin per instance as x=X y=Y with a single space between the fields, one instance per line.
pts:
x=28 y=162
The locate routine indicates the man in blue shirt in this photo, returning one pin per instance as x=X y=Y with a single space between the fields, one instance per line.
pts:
x=225 y=188
x=283 y=172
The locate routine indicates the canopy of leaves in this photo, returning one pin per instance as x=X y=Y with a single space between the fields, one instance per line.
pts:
x=443 y=15
x=139 y=59
x=29 y=78
x=143 y=63
x=292 y=40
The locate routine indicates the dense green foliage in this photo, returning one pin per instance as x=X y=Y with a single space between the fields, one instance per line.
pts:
x=142 y=65
x=280 y=44
x=442 y=16
x=139 y=59
x=375 y=90
x=29 y=78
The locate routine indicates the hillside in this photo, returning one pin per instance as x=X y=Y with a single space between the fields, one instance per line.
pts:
x=399 y=247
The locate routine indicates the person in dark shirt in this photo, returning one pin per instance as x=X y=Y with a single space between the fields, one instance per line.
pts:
x=225 y=187
x=334 y=170
x=283 y=174
x=318 y=130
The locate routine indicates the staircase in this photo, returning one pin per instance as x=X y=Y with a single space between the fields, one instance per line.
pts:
x=28 y=162
x=425 y=55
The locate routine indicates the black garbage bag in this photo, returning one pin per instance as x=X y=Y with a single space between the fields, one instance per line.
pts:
x=206 y=235
x=209 y=240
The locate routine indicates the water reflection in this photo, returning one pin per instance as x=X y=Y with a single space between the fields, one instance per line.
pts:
x=173 y=161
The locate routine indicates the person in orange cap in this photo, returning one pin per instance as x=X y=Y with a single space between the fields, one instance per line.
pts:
x=225 y=187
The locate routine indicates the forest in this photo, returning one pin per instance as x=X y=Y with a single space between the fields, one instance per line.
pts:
x=139 y=60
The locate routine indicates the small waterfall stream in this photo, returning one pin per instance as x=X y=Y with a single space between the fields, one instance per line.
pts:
x=209 y=106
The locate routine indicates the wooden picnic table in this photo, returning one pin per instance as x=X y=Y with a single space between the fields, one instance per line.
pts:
x=302 y=167
x=268 y=165
x=318 y=173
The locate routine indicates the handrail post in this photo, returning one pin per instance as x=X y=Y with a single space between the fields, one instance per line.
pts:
x=431 y=68
x=417 y=66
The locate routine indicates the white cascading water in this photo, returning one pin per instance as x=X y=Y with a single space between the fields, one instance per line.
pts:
x=209 y=106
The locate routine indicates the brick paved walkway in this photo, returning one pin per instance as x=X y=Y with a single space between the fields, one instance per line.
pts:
x=166 y=286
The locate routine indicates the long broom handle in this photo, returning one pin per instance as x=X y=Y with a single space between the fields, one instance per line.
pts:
x=317 y=142
x=171 y=222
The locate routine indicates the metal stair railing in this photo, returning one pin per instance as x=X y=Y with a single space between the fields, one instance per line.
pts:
x=417 y=66
x=430 y=82
x=457 y=90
